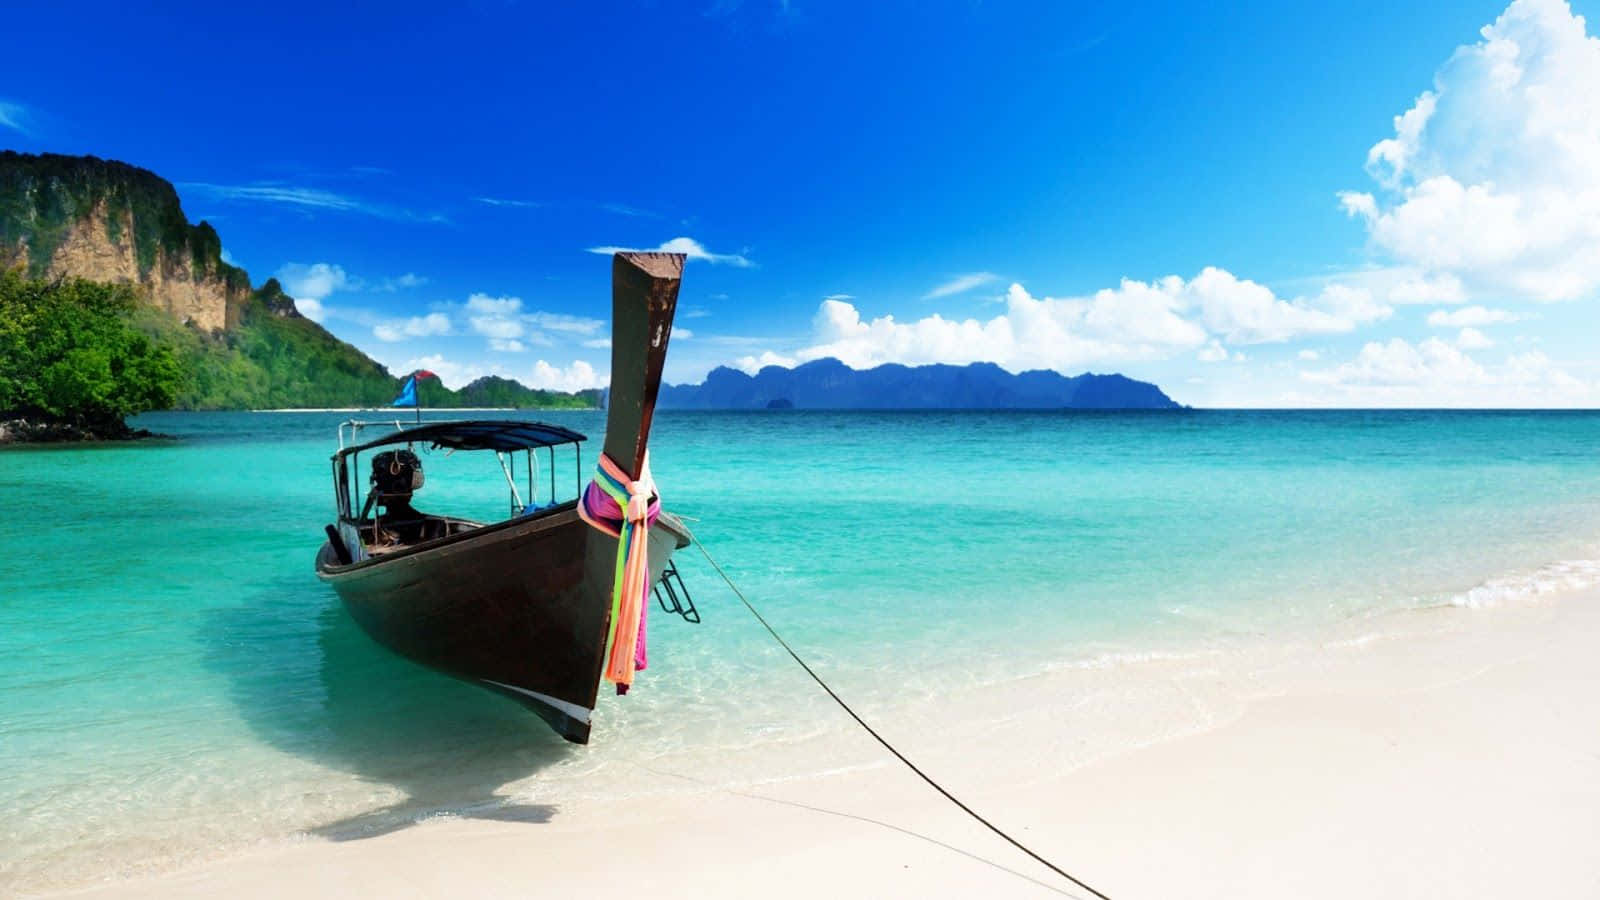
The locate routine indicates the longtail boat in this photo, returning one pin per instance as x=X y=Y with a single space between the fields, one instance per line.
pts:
x=522 y=606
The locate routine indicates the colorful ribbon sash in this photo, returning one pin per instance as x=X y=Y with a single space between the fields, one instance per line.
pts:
x=625 y=510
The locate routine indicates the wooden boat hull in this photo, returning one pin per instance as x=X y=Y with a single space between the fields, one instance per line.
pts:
x=504 y=606
x=524 y=606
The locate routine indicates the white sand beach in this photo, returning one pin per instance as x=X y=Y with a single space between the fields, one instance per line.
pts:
x=1450 y=752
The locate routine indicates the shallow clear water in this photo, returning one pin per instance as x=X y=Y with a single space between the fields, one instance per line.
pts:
x=174 y=680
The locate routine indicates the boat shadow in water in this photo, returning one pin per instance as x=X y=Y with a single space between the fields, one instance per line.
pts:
x=310 y=683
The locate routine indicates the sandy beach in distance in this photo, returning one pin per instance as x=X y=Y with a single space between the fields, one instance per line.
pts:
x=1448 y=752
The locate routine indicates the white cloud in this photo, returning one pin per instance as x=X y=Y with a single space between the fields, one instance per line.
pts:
x=452 y=374
x=956 y=285
x=309 y=285
x=689 y=247
x=315 y=198
x=1397 y=362
x=598 y=343
x=502 y=320
x=501 y=201
x=311 y=309
x=408 y=280
x=1473 y=339
x=682 y=334
x=497 y=318
x=750 y=365
x=1470 y=316
x=312 y=282
x=1245 y=312
x=1493 y=177
x=1399 y=285
x=1416 y=288
x=512 y=346
x=499 y=306
x=566 y=323
x=430 y=325
x=576 y=377
x=1434 y=373
x=1308 y=355
x=622 y=209
x=14 y=116
x=1134 y=321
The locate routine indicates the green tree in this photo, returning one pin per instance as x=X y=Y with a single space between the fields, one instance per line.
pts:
x=69 y=353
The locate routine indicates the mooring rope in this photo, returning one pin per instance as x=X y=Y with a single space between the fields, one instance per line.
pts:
x=878 y=737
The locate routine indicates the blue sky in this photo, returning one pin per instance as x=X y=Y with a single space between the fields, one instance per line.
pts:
x=1375 y=204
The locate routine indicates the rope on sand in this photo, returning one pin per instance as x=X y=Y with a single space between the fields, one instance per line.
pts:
x=878 y=737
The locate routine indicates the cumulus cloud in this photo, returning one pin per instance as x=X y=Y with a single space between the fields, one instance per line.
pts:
x=314 y=282
x=311 y=284
x=956 y=285
x=1473 y=339
x=1397 y=362
x=430 y=325
x=1135 y=320
x=576 y=377
x=1245 y=312
x=505 y=323
x=750 y=365
x=311 y=309
x=496 y=318
x=1434 y=373
x=1493 y=176
x=454 y=375
x=1470 y=316
x=689 y=247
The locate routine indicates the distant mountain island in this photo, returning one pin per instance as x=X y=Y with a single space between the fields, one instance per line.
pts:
x=830 y=384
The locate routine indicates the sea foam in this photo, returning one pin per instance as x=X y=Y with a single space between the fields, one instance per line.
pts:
x=1533 y=586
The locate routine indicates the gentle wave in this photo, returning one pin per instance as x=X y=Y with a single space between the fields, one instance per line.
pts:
x=1538 y=585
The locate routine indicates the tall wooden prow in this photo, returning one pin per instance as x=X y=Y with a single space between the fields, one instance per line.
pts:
x=644 y=296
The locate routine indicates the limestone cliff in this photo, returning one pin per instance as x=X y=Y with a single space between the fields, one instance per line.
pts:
x=84 y=217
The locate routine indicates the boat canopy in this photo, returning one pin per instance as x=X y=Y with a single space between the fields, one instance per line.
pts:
x=483 y=434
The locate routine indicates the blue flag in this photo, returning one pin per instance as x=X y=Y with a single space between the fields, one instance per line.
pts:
x=408 y=393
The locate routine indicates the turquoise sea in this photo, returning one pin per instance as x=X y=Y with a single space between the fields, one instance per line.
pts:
x=175 y=683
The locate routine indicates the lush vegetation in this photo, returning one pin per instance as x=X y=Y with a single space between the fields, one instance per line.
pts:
x=271 y=359
x=69 y=354
x=492 y=390
x=275 y=359
x=88 y=354
x=42 y=196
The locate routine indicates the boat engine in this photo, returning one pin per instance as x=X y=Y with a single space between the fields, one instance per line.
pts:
x=396 y=472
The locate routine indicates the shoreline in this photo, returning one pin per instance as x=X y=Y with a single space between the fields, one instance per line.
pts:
x=1398 y=755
